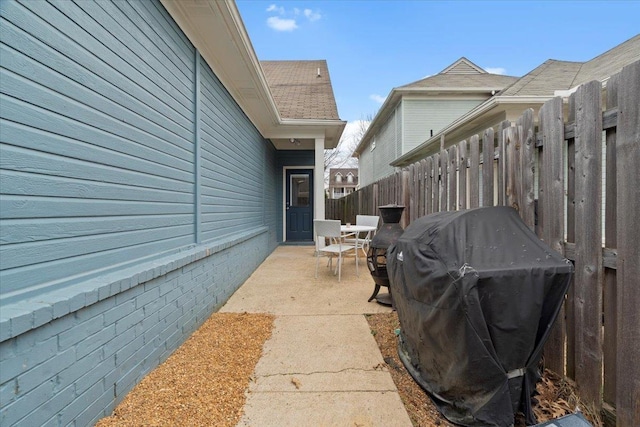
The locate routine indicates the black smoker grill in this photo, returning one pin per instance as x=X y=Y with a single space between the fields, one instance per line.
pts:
x=476 y=293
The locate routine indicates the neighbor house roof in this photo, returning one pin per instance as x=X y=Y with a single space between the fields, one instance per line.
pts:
x=551 y=78
x=461 y=77
x=554 y=75
x=301 y=89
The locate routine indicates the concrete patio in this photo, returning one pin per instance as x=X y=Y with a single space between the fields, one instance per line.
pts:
x=322 y=366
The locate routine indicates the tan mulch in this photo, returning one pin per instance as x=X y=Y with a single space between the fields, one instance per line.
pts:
x=556 y=397
x=203 y=383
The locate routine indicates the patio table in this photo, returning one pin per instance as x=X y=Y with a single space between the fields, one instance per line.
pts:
x=348 y=229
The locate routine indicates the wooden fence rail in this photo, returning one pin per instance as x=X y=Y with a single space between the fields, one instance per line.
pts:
x=575 y=181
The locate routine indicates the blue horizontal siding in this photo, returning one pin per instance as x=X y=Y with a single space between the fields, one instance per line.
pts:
x=232 y=165
x=97 y=163
x=46 y=25
x=97 y=141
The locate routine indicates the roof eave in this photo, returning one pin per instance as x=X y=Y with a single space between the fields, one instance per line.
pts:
x=216 y=29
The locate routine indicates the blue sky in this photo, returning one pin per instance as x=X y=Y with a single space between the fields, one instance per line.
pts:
x=373 y=46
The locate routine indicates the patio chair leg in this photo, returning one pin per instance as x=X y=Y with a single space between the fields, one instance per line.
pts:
x=375 y=293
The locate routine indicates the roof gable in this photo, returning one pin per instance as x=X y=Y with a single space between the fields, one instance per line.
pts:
x=462 y=75
x=463 y=66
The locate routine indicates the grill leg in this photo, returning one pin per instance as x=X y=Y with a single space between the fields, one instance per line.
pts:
x=375 y=292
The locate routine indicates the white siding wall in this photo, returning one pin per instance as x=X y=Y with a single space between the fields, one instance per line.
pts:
x=423 y=115
x=374 y=164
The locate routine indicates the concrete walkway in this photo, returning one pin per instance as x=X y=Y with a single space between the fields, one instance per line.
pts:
x=322 y=366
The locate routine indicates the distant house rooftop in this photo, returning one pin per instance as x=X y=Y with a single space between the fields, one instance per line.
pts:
x=462 y=75
x=553 y=75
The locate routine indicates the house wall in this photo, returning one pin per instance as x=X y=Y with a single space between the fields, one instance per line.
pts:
x=136 y=198
x=374 y=164
x=424 y=115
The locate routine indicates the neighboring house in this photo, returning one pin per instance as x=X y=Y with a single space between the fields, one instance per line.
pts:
x=342 y=181
x=552 y=78
x=146 y=170
x=413 y=112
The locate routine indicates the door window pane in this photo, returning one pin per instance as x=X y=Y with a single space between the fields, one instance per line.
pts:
x=299 y=186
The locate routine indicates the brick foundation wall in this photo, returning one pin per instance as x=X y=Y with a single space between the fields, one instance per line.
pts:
x=77 y=367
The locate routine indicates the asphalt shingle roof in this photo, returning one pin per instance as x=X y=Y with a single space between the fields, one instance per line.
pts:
x=484 y=80
x=462 y=74
x=555 y=75
x=298 y=91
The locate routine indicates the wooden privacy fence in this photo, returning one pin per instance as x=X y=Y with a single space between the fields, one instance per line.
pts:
x=575 y=181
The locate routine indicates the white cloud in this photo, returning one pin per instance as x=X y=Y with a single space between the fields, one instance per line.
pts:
x=311 y=15
x=280 y=24
x=379 y=99
x=274 y=8
x=286 y=21
x=496 y=70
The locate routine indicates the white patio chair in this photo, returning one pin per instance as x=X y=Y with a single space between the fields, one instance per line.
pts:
x=337 y=247
x=362 y=243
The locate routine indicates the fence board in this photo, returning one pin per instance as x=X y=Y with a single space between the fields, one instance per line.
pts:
x=462 y=187
x=570 y=365
x=588 y=222
x=435 y=186
x=414 y=195
x=501 y=161
x=428 y=182
x=552 y=198
x=453 y=178
x=609 y=296
x=488 y=152
x=528 y=203
x=405 y=197
x=512 y=144
x=424 y=180
x=474 y=172
x=444 y=179
x=628 y=236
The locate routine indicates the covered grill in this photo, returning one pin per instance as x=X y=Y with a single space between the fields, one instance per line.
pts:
x=476 y=293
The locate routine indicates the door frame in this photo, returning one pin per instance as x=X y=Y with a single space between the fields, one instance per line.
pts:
x=285 y=169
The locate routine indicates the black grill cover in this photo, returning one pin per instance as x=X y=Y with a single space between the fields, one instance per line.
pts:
x=476 y=293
